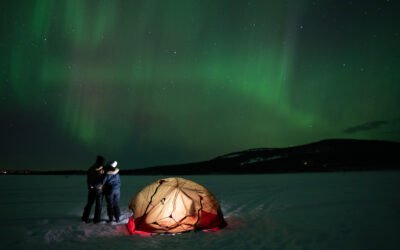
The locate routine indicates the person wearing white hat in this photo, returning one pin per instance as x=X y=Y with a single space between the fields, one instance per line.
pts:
x=112 y=186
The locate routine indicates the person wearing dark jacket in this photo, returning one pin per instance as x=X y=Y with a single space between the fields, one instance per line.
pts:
x=112 y=185
x=94 y=180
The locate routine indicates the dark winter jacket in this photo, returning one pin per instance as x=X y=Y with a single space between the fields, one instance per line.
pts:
x=95 y=176
x=112 y=181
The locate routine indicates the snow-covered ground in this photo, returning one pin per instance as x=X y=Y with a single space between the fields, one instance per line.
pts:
x=346 y=210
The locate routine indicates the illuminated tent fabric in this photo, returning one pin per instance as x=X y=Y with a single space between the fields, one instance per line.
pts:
x=174 y=205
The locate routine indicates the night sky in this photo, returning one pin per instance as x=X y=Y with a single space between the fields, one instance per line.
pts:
x=161 y=82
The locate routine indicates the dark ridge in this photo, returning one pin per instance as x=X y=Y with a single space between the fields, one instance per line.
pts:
x=323 y=156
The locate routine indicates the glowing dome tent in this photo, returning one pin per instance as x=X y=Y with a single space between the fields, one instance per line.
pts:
x=174 y=205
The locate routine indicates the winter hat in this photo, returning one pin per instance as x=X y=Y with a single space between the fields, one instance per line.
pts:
x=100 y=160
x=114 y=164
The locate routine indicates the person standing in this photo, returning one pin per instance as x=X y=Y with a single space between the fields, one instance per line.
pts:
x=94 y=180
x=112 y=186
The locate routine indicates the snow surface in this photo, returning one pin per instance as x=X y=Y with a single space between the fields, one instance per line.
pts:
x=345 y=210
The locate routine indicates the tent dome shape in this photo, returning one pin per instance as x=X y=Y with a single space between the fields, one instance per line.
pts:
x=174 y=205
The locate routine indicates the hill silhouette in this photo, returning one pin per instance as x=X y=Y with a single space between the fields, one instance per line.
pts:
x=322 y=156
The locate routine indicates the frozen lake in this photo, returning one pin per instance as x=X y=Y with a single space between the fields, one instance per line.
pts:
x=345 y=210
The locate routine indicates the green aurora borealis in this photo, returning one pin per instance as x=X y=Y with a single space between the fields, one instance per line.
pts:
x=160 y=82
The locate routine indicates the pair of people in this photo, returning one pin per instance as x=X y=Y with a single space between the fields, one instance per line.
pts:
x=103 y=180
